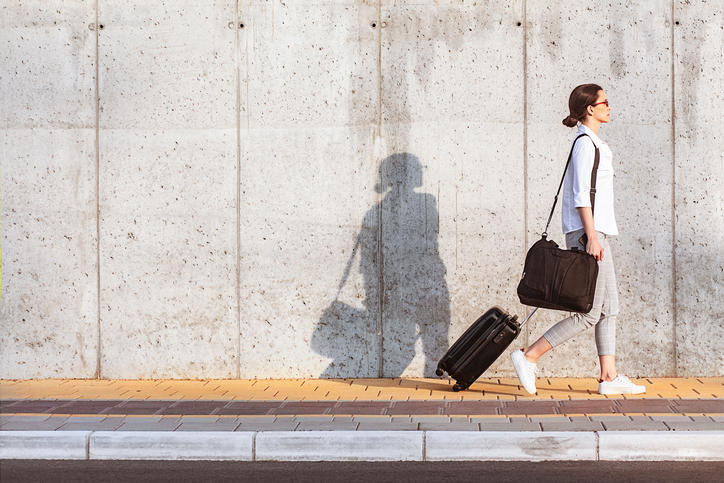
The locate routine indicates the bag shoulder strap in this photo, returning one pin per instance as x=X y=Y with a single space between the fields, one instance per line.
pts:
x=594 y=174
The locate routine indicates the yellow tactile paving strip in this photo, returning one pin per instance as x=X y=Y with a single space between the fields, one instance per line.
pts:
x=398 y=389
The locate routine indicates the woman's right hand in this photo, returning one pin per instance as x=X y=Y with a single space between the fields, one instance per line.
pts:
x=594 y=248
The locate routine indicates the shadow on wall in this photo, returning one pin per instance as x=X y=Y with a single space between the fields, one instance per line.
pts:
x=398 y=250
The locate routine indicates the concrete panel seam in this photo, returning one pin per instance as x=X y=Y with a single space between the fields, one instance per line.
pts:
x=674 y=312
x=253 y=445
x=98 y=207
x=424 y=446
x=237 y=259
x=87 y=445
x=526 y=337
x=380 y=261
x=598 y=447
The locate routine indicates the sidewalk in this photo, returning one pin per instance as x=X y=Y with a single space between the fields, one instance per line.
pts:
x=394 y=419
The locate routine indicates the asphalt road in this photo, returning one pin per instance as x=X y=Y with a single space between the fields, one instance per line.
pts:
x=350 y=472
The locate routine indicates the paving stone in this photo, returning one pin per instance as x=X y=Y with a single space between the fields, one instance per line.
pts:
x=643 y=406
x=644 y=419
x=541 y=419
x=86 y=419
x=213 y=426
x=143 y=419
x=415 y=407
x=389 y=426
x=194 y=407
x=579 y=418
x=672 y=418
x=461 y=426
x=701 y=418
x=22 y=419
x=255 y=419
x=695 y=426
x=497 y=419
x=611 y=418
x=326 y=426
x=634 y=426
x=90 y=426
x=432 y=419
x=275 y=426
x=313 y=419
x=517 y=426
x=401 y=419
x=571 y=426
x=530 y=407
x=587 y=406
x=198 y=419
x=371 y=419
x=473 y=407
x=699 y=405
x=169 y=425
x=361 y=407
x=29 y=426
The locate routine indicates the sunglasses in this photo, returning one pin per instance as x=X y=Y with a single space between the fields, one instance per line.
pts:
x=602 y=102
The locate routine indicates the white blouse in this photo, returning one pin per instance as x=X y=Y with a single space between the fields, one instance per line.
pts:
x=577 y=185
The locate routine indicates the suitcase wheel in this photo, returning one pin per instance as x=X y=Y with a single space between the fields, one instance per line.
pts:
x=439 y=371
x=458 y=387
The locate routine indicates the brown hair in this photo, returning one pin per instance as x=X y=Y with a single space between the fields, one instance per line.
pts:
x=581 y=97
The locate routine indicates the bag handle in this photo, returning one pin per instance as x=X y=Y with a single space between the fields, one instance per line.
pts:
x=345 y=274
x=594 y=175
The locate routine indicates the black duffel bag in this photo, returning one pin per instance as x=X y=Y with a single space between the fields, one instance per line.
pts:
x=560 y=279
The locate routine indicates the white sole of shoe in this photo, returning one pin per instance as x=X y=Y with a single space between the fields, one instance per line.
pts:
x=519 y=370
x=609 y=392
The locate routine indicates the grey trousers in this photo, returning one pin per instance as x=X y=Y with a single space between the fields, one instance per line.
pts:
x=605 y=304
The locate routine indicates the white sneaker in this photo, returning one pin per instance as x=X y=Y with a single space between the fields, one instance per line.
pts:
x=620 y=385
x=525 y=369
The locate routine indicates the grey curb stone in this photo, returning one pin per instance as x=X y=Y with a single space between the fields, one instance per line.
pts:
x=655 y=446
x=340 y=446
x=509 y=446
x=364 y=445
x=155 y=445
x=44 y=445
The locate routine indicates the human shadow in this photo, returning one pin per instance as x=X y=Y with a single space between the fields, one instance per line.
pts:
x=398 y=247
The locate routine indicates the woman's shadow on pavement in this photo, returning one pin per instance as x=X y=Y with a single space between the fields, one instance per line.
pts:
x=398 y=246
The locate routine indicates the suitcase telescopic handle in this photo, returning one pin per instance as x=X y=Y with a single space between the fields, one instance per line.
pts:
x=529 y=316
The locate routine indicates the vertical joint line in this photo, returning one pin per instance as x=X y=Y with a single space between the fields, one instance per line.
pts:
x=380 y=259
x=525 y=140
x=253 y=445
x=238 y=195
x=380 y=292
x=98 y=207
x=424 y=446
x=379 y=68
x=674 y=311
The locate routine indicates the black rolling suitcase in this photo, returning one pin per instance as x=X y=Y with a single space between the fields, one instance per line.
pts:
x=480 y=346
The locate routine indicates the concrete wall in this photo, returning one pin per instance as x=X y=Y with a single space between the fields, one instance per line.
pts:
x=187 y=185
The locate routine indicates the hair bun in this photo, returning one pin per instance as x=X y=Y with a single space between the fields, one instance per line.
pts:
x=570 y=121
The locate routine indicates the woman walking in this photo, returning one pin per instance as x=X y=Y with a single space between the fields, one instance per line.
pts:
x=588 y=109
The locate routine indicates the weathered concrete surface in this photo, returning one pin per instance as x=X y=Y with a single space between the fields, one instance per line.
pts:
x=168 y=167
x=699 y=214
x=48 y=314
x=631 y=46
x=396 y=127
x=308 y=174
x=454 y=205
